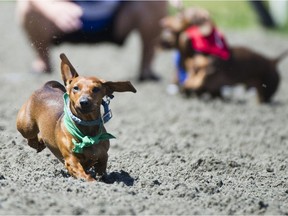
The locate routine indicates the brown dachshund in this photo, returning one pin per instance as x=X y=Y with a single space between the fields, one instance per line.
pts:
x=208 y=73
x=68 y=120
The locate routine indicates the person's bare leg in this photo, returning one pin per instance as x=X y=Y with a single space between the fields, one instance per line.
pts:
x=144 y=16
x=39 y=33
x=41 y=22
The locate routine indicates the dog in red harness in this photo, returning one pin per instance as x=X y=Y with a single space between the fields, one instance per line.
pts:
x=205 y=63
x=211 y=44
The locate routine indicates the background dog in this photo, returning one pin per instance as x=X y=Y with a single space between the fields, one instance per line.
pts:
x=208 y=72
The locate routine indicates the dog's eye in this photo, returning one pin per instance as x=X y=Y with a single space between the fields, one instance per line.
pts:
x=75 y=88
x=95 y=90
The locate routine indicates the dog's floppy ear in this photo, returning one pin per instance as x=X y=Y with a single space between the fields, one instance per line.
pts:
x=170 y=22
x=118 y=87
x=67 y=70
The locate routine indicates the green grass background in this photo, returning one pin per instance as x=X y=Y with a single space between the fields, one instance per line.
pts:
x=232 y=14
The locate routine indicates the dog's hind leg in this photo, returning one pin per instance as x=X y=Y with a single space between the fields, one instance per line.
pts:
x=267 y=88
x=29 y=129
x=271 y=85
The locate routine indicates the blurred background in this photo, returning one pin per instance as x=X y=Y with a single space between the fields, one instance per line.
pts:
x=233 y=14
x=186 y=156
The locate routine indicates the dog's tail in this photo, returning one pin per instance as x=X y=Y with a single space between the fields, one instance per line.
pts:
x=276 y=60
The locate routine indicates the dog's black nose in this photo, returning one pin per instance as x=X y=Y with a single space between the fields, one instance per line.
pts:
x=84 y=102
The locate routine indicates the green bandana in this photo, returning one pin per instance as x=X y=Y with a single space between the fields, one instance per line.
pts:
x=84 y=141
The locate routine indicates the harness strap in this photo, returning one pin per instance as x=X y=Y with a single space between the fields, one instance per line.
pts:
x=80 y=140
x=105 y=118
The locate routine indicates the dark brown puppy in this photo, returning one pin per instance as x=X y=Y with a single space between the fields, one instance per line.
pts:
x=43 y=123
x=209 y=73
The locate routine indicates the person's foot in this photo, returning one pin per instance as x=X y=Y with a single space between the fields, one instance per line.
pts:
x=151 y=76
x=40 y=67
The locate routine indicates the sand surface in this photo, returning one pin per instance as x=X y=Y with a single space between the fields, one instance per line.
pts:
x=171 y=156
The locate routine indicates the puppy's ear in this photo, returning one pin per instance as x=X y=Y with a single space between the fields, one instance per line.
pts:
x=67 y=70
x=118 y=87
x=172 y=23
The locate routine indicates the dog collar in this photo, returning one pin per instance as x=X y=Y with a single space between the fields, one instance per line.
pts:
x=105 y=118
x=83 y=141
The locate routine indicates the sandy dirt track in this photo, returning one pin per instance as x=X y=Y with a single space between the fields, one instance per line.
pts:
x=171 y=156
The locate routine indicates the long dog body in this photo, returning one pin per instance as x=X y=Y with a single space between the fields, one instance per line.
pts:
x=43 y=123
x=210 y=73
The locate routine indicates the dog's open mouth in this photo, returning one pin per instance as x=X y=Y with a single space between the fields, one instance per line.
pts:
x=86 y=110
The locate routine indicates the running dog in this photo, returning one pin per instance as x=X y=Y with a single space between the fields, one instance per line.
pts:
x=68 y=120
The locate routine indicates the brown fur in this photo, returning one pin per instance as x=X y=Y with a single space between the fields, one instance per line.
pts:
x=244 y=67
x=40 y=120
